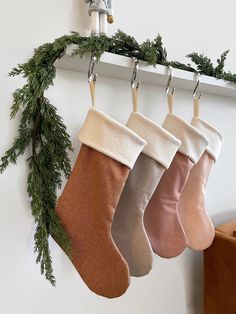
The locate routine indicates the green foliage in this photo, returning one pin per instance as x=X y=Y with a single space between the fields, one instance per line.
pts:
x=123 y=44
x=161 y=51
x=153 y=51
x=148 y=52
x=228 y=76
x=42 y=128
x=205 y=66
x=219 y=70
x=19 y=145
x=181 y=66
x=95 y=45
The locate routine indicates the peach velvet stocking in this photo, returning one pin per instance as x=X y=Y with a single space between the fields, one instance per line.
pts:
x=127 y=228
x=197 y=225
x=88 y=202
x=161 y=218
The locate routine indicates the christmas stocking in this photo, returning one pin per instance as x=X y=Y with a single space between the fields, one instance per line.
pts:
x=161 y=218
x=88 y=202
x=127 y=229
x=195 y=220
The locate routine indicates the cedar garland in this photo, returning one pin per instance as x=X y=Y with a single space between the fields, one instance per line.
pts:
x=41 y=126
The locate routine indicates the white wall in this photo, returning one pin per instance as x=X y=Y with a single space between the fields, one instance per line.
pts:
x=174 y=286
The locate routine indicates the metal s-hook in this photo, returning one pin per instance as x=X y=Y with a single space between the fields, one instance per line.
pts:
x=170 y=96
x=199 y=77
x=91 y=75
x=196 y=106
x=169 y=81
x=134 y=83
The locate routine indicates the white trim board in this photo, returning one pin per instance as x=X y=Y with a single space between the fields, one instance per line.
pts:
x=121 y=67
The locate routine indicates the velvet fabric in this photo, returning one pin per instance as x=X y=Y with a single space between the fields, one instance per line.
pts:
x=197 y=225
x=127 y=229
x=86 y=209
x=220 y=272
x=161 y=218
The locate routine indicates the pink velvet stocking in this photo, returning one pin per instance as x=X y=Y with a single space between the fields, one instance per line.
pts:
x=161 y=218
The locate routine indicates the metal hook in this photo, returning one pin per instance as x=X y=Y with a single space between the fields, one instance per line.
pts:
x=134 y=75
x=169 y=82
x=197 y=86
x=91 y=75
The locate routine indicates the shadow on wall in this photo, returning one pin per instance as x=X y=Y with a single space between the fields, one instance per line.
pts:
x=192 y=277
x=224 y=216
x=79 y=17
x=192 y=269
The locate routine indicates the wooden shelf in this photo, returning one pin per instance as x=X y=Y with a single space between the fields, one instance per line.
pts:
x=120 y=67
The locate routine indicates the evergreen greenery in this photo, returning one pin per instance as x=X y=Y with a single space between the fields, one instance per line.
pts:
x=42 y=128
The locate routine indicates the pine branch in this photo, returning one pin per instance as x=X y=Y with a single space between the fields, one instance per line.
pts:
x=18 y=148
x=95 y=45
x=43 y=181
x=205 y=66
x=153 y=52
x=219 y=70
x=123 y=44
x=203 y=63
x=20 y=98
x=44 y=129
x=148 y=52
x=161 y=51
x=228 y=76
x=181 y=66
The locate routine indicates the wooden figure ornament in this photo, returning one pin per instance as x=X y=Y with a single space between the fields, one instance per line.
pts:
x=100 y=12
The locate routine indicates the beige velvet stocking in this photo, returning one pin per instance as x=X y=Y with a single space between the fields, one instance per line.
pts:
x=88 y=202
x=127 y=229
x=197 y=225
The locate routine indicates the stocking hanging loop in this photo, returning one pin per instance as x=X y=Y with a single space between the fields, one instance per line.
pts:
x=92 y=77
x=135 y=85
x=196 y=97
x=170 y=95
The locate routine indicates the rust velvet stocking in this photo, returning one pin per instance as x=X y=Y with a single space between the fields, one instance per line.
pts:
x=88 y=202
